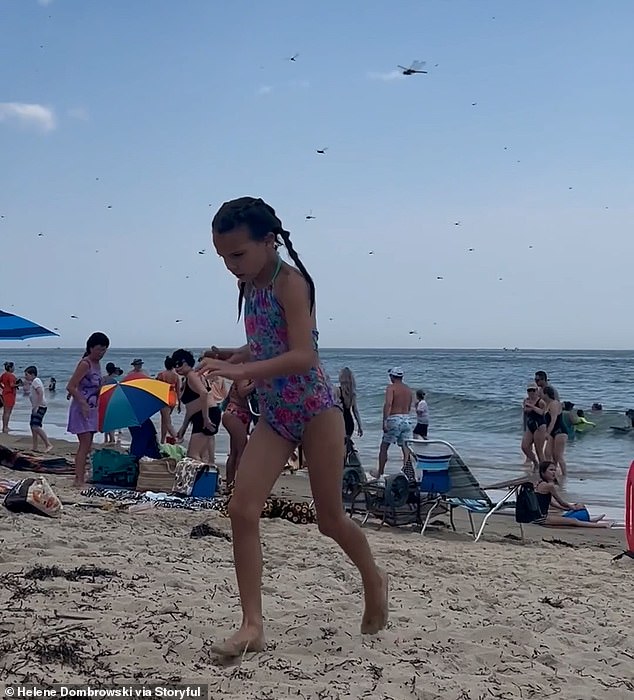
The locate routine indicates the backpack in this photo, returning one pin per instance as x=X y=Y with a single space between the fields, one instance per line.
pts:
x=527 y=508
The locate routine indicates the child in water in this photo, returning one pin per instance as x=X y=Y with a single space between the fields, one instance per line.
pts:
x=296 y=403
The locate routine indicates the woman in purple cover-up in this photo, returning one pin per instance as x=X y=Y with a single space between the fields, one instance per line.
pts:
x=83 y=387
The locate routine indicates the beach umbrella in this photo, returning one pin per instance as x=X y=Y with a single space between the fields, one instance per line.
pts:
x=14 y=327
x=130 y=403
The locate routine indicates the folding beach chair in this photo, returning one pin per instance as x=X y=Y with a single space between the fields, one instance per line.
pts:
x=447 y=483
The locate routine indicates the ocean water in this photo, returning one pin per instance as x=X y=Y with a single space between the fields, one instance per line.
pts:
x=474 y=398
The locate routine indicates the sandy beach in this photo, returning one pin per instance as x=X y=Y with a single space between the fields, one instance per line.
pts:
x=501 y=618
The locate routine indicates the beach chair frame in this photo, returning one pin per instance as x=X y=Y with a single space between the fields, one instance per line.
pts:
x=479 y=502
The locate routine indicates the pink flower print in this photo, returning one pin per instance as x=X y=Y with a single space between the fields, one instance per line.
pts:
x=283 y=416
x=313 y=403
x=292 y=393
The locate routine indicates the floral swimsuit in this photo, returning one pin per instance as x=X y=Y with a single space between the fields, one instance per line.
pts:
x=286 y=403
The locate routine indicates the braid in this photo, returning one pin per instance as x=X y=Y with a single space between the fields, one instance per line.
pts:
x=286 y=238
x=262 y=220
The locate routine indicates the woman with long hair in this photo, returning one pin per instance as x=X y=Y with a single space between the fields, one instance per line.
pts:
x=347 y=394
x=555 y=429
x=83 y=387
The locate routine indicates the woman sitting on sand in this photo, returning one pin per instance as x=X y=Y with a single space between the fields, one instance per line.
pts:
x=575 y=514
x=556 y=430
x=534 y=426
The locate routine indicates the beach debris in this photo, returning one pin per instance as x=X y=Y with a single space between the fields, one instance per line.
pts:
x=322 y=151
x=559 y=542
x=553 y=602
x=413 y=69
x=44 y=573
x=206 y=530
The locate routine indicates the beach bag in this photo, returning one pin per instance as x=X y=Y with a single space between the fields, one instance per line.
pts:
x=33 y=495
x=113 y=468
x=156 y=475
x=187 y=471
x=527 y=508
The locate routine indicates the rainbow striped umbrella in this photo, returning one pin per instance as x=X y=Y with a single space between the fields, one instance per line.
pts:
x=14 y=327
x=132 y=402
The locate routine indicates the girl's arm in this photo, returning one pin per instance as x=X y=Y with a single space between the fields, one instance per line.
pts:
x=73 y=383
x=560 y=501
x=355 y=413
x=292 y=293
x=244 y=388
x=234 y=355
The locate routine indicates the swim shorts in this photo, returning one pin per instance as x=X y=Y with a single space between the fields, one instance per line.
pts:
x=398 y=429
x=37 y=417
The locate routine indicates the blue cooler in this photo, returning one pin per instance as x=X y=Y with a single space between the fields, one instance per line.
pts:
x=206 y=484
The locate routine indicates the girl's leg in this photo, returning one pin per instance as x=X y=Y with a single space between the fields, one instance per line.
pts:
x=262 y=462
x=81 y=457
x=573 y=522
x=197 y=446
x=559 y=448
x=527 y=447
x=41 y=434
x=237 y=442
x=323 y=442
x=6 y=415
x=539 y=440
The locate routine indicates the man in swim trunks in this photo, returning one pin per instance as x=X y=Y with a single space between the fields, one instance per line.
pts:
x=397 y=426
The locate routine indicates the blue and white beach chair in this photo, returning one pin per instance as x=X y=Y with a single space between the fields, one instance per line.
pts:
x=446 y=481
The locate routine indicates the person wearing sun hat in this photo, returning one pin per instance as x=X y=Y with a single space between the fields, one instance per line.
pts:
x=137 y=371
x=397 y=425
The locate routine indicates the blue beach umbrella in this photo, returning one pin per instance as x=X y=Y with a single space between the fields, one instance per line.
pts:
x=14 y=327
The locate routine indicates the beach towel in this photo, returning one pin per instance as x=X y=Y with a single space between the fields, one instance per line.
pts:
x=187 y=471
x=31 y=462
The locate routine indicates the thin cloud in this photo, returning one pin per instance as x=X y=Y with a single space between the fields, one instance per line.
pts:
x=28 y=115
x=391 y=75
x=264 y=90
x=80 y=113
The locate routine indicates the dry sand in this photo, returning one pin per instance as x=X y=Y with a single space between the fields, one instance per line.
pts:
x=466 y=619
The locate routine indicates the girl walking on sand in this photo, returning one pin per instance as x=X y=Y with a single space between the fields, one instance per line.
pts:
x=297 y=403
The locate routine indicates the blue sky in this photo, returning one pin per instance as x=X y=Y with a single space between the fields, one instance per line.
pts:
x=164 y=110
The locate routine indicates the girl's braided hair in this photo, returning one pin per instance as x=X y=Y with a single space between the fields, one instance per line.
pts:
x=261 y=220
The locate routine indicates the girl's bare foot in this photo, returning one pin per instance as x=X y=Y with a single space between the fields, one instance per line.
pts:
x=245 y=640
x=376 y=612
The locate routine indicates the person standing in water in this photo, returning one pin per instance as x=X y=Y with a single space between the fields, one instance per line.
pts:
x=422 y=415
x=297 y=404
x=8 y=394
x=347 y=396
x=83 y=387
x=397 y=426
x=535 y=434
x=38 y=408
x=556 y=430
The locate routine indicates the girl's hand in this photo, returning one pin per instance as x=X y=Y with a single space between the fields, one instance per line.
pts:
x=220 y=368
x=216 y=353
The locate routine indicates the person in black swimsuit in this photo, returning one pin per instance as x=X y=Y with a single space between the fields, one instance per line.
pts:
x=546 y=491
x=534 y=426
x=204 y=420
x=556 y=430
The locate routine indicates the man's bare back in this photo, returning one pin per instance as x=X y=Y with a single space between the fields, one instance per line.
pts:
x=399 y=397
